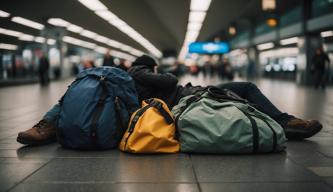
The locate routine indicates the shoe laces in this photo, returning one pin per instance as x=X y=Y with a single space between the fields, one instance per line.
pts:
x=42 y=124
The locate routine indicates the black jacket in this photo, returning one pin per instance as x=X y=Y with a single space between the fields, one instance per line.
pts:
x=162 y=86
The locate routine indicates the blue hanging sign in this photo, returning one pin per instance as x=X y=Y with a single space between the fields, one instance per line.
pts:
x=209 y=47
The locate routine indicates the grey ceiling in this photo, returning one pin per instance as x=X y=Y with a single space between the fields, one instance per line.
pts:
x=162 y=22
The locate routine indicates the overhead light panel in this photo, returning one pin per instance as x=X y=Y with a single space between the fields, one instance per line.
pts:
x=194 y=26
x=40 y=39
x=106 y=15
x=94 y=5
x=51 y=41
x=265 y=46
x=88 y=34
x=58 y=22
x=292 y=40
x=4 y=14
x=268 y=5
x=197 y=17
x=8 y=46
x=74 y=28
x=26 y=37
x=28 y=23
x=200 y=5
x=10 y=32
x=101 y=10
x=326 y=34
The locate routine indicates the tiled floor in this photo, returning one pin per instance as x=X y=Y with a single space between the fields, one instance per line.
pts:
x=305 y=166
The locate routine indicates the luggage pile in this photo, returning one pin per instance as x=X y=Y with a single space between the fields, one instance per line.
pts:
x=100 y=110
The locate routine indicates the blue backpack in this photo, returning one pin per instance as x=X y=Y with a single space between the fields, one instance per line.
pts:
x=96 y=108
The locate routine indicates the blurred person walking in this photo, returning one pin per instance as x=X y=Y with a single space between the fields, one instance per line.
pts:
x=320 y=67
x=108 y=60
x=43 y=70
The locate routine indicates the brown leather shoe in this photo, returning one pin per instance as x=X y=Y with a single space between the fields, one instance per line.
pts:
x=298 y=129
x=42 y=133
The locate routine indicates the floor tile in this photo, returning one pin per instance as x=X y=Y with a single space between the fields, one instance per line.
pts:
x=101 y=187
x=265 y=187
x=125 y=169
x=261 y=168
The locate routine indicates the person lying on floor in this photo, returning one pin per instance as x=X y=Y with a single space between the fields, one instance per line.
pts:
x=150 y=84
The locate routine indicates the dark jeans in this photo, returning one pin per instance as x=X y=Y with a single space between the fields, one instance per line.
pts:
x=320 y=78
x=250 y=92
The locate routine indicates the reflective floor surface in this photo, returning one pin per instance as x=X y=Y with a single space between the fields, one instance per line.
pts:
x=305 y=166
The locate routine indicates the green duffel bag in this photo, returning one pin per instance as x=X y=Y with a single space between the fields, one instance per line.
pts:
x=219 y=121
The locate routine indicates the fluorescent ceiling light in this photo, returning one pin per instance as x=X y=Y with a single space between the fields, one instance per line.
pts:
x=58 y=22
x=88 y=34
x=51 y=41
x=106 y=15
x=200 y=5
x=27 y=22
x=326 y=34
x=197 y=17
x=194 y=26
x=8 y=46
x=114 y=43
x=40 y=39
x=26 y=37
x=289 y=41
x=93 y=5
x=268 y=5
x=101 y=39
x=101 y=50
x=74 y=28
x=191 y=36
x=4 y=14
x=117 y=22
x=265 y=46
x=10 y=32
x=101 y=10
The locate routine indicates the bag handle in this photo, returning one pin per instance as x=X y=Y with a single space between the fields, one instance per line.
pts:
x=159 y=106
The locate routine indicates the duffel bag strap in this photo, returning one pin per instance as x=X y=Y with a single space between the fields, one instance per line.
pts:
x=159 y=106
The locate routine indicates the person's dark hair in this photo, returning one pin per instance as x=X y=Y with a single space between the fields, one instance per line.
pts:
x=145 y=60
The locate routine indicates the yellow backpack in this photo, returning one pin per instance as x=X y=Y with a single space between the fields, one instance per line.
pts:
x=151 y=129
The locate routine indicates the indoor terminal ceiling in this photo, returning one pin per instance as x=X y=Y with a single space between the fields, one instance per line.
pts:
x=162 y=22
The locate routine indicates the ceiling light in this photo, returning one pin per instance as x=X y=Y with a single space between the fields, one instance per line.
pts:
x=4 y=14
x=101 y=50
x=27 y=22
x=51 y=41
x=101 y=39
x=25 y=37
x=265 y=46
x=326 y=34
x=232 y=30
x=88 y=34
x=194 y=26
x=10 y=32
x=58 y=22
x=40 y=39
x=200 y=5
x=191 y=36
x=289 y=41
x=93 y=5
x=197 y=17
x=101 y=10
x=74 y=28
x=106 y=15
x=114 y=43
x=117 y=22
x=268 y=5
x=8 y=46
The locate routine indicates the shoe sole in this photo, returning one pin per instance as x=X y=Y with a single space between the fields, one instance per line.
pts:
x=301 y=136
x=35 y=143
